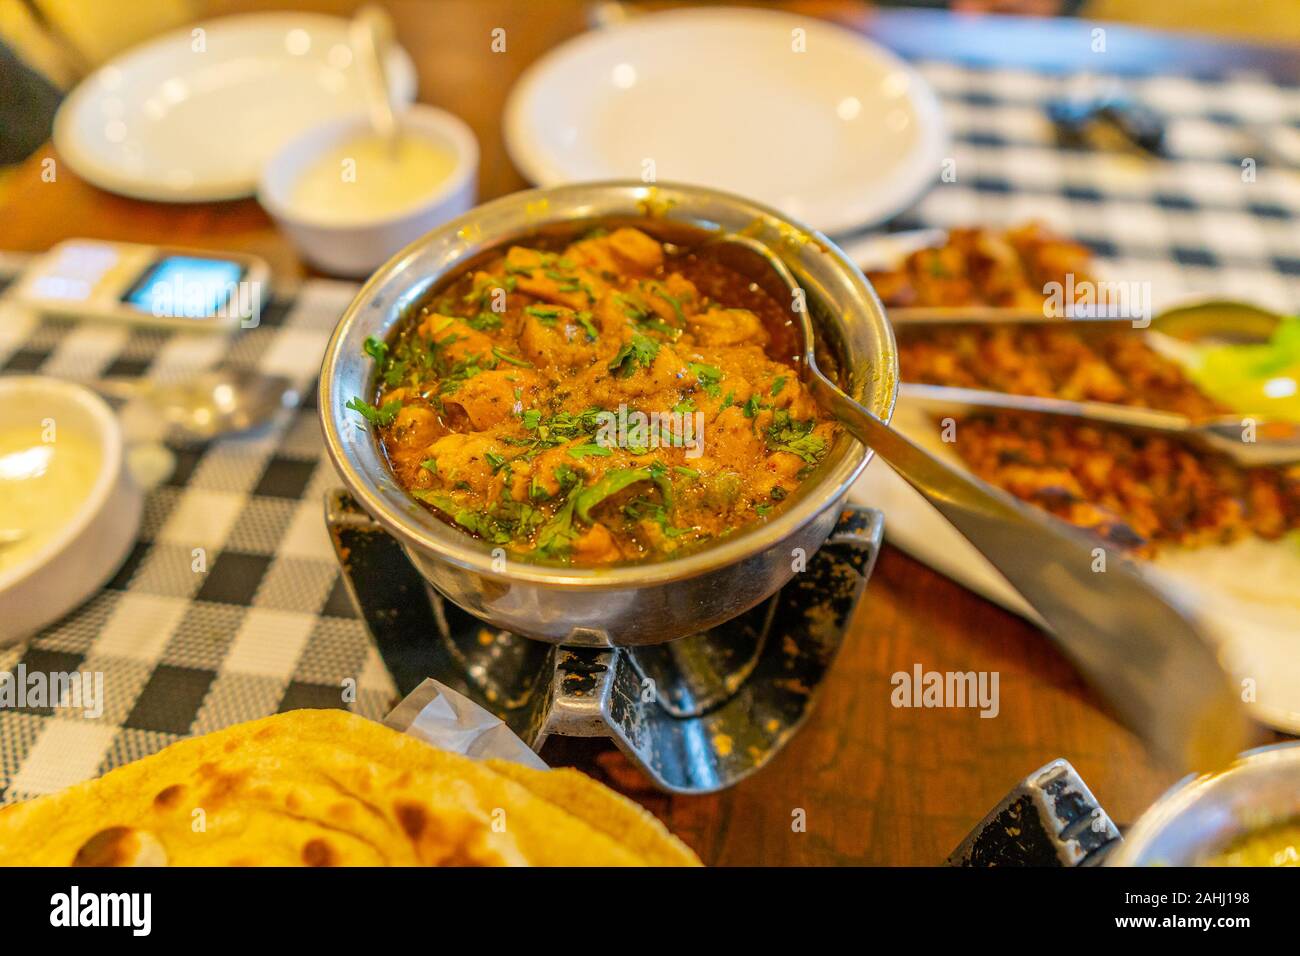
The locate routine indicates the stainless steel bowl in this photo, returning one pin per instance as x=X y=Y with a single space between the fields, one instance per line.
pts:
x=631 y=604
x=1202 y=814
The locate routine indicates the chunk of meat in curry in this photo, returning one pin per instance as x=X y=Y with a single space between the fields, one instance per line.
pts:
x=499 y=402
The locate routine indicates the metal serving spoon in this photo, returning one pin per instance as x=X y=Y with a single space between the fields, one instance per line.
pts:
x=1248 y=440
x=1141 y=651
x=210 y=404
x=1228 y=321
x=1219 y=321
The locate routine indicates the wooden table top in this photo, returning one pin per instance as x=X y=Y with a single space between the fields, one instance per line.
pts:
x=877 y=785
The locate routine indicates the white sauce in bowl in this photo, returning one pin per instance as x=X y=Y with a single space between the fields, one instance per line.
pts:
x=361 y=179
x=43 y=485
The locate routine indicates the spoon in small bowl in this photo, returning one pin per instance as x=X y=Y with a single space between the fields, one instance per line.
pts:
x=1142 y=651
x=370 y=34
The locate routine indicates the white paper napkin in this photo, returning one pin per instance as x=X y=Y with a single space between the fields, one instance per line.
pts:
x=450 y=721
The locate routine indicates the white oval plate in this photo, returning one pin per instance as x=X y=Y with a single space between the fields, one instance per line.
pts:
x=192 y=117
x=840 y=136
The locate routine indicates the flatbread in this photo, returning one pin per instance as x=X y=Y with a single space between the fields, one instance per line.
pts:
x=329 y=788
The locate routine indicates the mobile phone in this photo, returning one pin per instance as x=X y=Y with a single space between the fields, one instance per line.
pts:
x=147 y=285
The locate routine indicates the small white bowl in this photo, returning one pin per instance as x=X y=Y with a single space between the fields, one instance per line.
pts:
x=358 y=248
x=86 y=551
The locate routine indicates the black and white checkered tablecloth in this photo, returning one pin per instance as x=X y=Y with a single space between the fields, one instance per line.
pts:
x=1187 y=224
x=269 y=626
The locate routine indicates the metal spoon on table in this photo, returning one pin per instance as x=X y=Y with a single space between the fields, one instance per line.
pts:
x=1141 y=651
x=208 y=405
x=1246 y=439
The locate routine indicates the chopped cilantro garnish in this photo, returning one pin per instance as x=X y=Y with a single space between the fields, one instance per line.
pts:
x=609 y=484
x=786 y=434
x=544 y=314
x=557 y=430
x=582 y=451
x=461 y=372
x=510 y=359
x=565 y=426
x=405 y=359
x=642 y=509
x=639 y=351
x=556 y=535
x=635 y=311
x=379 y=417
x=584 y=319
x=708 y=376
x=674 y=301
x=476 y=522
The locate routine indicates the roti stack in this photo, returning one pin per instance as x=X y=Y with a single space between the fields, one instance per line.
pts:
x=329 y=788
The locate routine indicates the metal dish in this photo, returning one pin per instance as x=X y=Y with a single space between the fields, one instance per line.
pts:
x=632 y=604
x=1051 y=817
x=1202 y=814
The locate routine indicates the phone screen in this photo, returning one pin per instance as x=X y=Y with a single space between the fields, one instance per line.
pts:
x=193 y=287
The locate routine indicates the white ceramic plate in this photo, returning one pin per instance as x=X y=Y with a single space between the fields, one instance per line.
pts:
x=841 y=135
x=192 y=117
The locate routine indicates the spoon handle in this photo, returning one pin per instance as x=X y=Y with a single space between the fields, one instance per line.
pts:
x=948 y=398
x=1139 y=649
x=118 y=388
x=369 y=35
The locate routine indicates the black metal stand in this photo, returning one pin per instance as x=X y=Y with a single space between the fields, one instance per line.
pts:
x=1051 y=818
x=697 y=714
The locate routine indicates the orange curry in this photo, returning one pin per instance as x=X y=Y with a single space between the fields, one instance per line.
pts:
x=508 y=403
